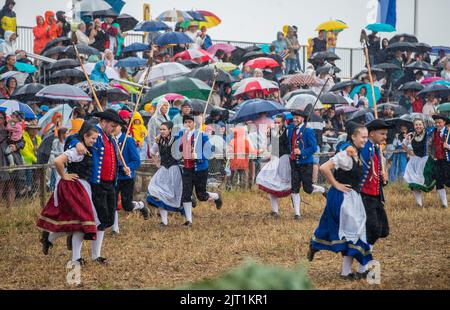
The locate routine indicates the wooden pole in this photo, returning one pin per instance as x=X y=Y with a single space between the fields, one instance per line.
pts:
x=369 y=70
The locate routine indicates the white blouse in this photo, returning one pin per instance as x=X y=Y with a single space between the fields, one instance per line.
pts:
x=343 y=161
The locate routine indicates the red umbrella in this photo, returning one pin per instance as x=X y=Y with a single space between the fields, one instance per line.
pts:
x=301 y=80
x=195 y=53
x=431 y=80
x=252 y=86
x=262 y=63
x=227 y=48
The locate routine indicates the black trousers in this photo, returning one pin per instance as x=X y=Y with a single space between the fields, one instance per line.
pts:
x=126 y=190
x=377 y=225
x=105 y=202
x=301 y=175
x=197 y=180
x=442 y=174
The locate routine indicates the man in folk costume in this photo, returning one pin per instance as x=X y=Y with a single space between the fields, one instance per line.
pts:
x=195 y=166
x=103 y=180
x=302 y=146
x=372 y=182
x=440 y=152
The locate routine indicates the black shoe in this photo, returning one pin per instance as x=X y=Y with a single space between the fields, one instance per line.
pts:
x=115 y=234
x=46 y=245
x=145 y=213
x=69 y=242
x=362 y=276
x=101 y=260
x=162 y=225
x=350 y=277
x=81 y=261
x=188 y=224
x=297 y=218
x=274 y=215
x=218 y=203
x=311 y=253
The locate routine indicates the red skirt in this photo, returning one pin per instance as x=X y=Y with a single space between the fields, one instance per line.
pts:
x=74 y=212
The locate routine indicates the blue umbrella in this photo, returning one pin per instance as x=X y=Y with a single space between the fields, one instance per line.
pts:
x=12 y=106
x=250 y=109
x=369 y=93
x=173 y=38
x=136 y=47
x=442 y=82
x=116 y=5
x=197 y=16
x=436 y=49
x=24 y=67
x=151 y=26
x=380 y=27
x=131 y=62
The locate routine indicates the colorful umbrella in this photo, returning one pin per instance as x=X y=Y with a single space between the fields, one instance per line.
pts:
x=253 y=85
x=166 y=70
x=168 y=97
x=442 y=82
x=63 y=92
x=435 y=50
x=227 y=48
x=332 y=25
x=250 y=109
x=369 y=93
x=196 y=16
x=194 y=53
x=174 y=16
x=151 y=26
x=262 y=63
x=225 y=66
x=300 y=80
x=131 y=62
x=173 y=38
x=380 y=27
x=430 y=80
x=189 y=87
x=12 y=106
x=212 y=20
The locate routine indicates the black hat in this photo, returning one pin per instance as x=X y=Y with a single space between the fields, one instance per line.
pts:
x=351 y=128
x=110 y=115
x=443 y=117
x=303 y=113
x=186 y=103
x=379 y=124
x=188 y=117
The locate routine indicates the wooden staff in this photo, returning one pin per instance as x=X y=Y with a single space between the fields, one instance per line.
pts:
x=96 y=99
x=364 y=40
x=147 y=73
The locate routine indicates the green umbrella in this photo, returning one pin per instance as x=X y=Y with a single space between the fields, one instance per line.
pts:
x=189 y=87
x=444 y=107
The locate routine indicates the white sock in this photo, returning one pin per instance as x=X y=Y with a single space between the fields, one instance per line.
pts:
x=318 y=189
x=213 y=196
x=163 y=213
x=347 y=265
x=77 y=242
x=97 y=245
x=443 y=196
x=53 y=236
x=188 y=211
x=361 y=268
x=138 y=205
x=418 y=196
x=296 y=203
x=274 y=202
x=115 y=227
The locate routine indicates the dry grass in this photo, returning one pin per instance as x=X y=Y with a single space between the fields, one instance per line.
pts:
x=415 y=256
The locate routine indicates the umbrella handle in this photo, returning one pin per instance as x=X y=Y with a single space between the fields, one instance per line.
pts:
x=317 y=99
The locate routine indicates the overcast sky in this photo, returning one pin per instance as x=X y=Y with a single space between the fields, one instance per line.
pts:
x=259 y=20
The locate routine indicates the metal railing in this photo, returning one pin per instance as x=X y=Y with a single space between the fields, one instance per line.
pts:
x=351 y=62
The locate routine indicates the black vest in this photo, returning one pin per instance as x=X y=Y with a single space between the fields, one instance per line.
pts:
x=419 y=148
x=165 y=152
x=83 y=168
x=351 y=177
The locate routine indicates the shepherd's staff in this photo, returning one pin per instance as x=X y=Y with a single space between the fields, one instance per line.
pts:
x=147 y=73
x=330 y=73
x=364 y=39
x=96 y=99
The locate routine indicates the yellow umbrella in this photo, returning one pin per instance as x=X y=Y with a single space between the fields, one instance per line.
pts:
x=225 y=66
x=332 y=25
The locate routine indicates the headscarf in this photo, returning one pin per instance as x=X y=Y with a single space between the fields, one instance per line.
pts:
x=97 y=75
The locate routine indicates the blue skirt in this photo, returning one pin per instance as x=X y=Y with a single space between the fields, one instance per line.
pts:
x=326 y=236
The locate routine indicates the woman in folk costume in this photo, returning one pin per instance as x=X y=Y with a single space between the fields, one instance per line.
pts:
x=275 y=177
x=70 y=209
x=342 y=227
x=166 y=187
x=419 y=170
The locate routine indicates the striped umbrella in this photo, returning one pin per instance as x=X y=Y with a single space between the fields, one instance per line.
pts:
x=174 y=16
x=13 y=105
x=194 y=53
x=63 y=92
x=189 y=87
x=300 y=80
x=251 y=86
x=212 y=20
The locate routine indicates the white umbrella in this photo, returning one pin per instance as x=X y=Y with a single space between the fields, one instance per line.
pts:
x=111 y=73
x=19 y=76
x=166 y=70
x=94 y=5
x=255 y=84
x=301 y=102
x=64 y=109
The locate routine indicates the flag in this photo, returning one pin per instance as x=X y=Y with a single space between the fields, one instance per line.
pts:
x=387 y=12
x=117 y=5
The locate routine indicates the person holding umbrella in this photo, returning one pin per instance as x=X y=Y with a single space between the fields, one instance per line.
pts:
x=374 y=47
x=302 y=146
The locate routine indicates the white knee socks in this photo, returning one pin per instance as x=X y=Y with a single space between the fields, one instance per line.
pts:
x=274 y=202
x=163 y=213
x=347 y=265
x=115 y=227
x=213 y=196
x=318 y=189
x=418 y=196
x=77 y=241
x=97 y=245
x=53 y=236
x=138 y=205
x=296 y=203
x=443 y=196
x=361 y=268
x=188 y=211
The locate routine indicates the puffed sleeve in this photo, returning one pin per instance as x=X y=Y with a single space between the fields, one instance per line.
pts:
x=342 y=161
x=73 y=156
